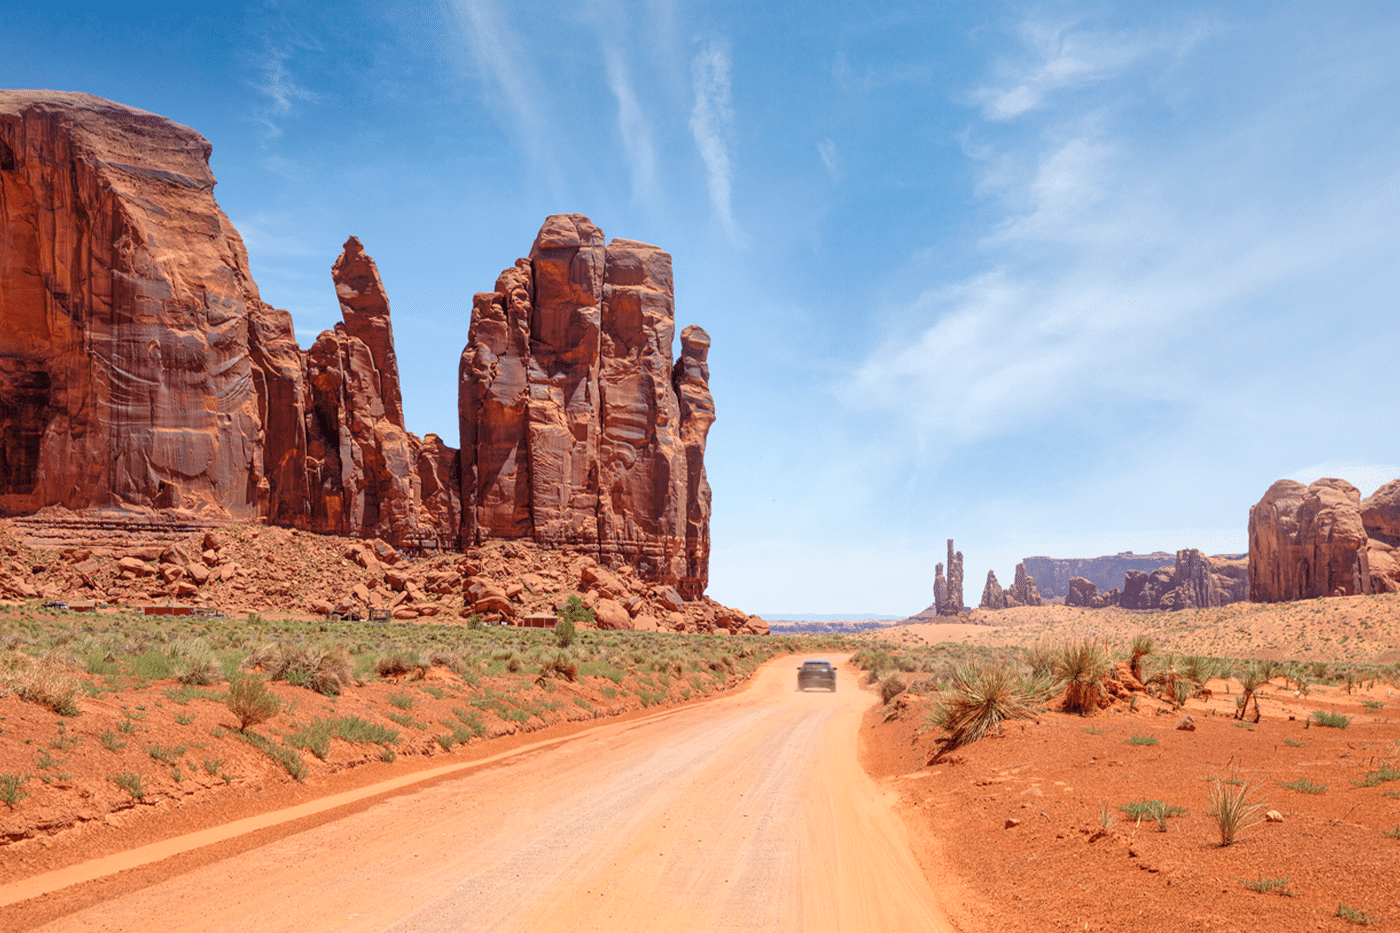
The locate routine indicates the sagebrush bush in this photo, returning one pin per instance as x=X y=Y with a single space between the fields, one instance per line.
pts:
x=251 y=702
x=891 y=687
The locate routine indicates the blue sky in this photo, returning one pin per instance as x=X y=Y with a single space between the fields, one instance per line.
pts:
x=1054 y=278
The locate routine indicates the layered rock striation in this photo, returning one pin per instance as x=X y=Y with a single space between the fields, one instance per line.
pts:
x=1323 y=540
x=577 y=428
x=140 y=368
x=125 y=298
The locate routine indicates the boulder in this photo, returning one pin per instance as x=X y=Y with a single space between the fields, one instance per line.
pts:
x=1081 y=593
x=669 y=598
x=609 y=615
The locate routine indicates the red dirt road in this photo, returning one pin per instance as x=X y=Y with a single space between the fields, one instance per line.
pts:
x=750 y=813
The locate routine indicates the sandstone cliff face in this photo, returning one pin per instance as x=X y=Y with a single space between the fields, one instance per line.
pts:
x=576 y=428
x=139 y=368
x=124 y=302
x=1321 y=540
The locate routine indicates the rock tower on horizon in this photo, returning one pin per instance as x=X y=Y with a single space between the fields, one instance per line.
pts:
x=948 y=591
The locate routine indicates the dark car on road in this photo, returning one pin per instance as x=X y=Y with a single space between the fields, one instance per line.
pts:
x=816 y=674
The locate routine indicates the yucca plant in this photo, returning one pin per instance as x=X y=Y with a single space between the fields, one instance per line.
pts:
x=1252 y=677
x=1234 y=808
x=1082 y=667
x=1141 y=647
x=980 y=698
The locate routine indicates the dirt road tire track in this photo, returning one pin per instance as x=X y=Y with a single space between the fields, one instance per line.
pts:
x=750 y=812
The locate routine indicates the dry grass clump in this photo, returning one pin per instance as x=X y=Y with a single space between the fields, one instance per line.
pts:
x=981 y=696
x=1141 y=647
x=46 y=680
x=1082 y=667
x=325 y=668
x=195 y=662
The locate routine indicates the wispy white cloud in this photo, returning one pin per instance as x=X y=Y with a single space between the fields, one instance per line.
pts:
x=277 y=82
x=1062 y=57
x=496 y=51
x=1122 y=275
x=633 y=127
x=712 y=125
x=826 y=148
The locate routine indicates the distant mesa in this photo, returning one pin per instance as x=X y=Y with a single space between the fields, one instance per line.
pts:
x=141 y=369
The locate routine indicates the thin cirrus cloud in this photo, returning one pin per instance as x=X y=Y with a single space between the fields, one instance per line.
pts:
x=712 y=125
x=280 y=87
x=1065 y=58
x=633 y=128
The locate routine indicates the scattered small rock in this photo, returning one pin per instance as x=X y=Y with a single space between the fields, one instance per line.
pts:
x=1186 y=724
x=1273 y=816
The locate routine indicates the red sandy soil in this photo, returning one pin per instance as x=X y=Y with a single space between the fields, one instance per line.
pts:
x=1016 y=818
x=1351 y=629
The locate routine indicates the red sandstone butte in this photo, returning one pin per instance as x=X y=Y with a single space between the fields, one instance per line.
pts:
x=1322 y=540
x=576 y=428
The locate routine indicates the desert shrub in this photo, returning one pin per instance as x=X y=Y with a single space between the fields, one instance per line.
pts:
x=1082 y=667
x=1252 y=676
x=558 y=663
x=1155 y=810
x=324 y=668
x=289 y=760
x=981 y=697
x=251 y=702
x=12 y=789
x=1270 y=885
x=1358 y=917
x=1382 y=775
x=1304 y=786
x=1332 y=720
x=1233 y=807
x=891 y=687
x=1040 y=658
x=315 y=736
x=45 y=680
x=1141 y=740
x=130 y=782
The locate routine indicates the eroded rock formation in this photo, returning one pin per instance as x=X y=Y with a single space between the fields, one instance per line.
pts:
x=139 y=368
x=577 y=429
x=948 y=591
x=1023 y=591
x=1322 y=540
x=992 y=595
